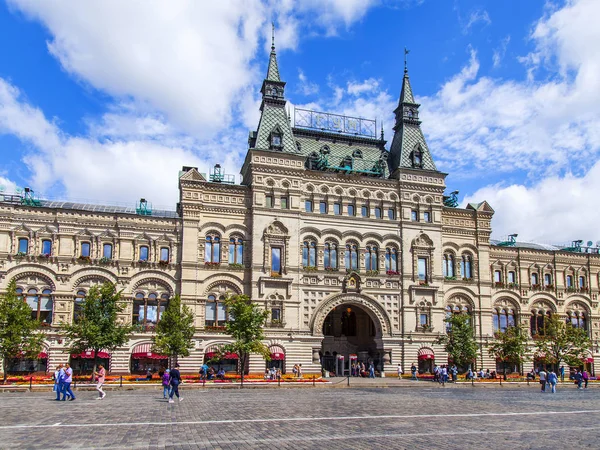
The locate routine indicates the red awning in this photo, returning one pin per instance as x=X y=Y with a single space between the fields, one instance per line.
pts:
x=277 y=356
x=89 y=354
x=148 y=355
x=425 y=353
x=588 y=360
x=42 y=355
x=211 y=355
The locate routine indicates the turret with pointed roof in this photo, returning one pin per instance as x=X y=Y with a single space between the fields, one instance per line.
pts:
x=274 y=131
x=409 y=149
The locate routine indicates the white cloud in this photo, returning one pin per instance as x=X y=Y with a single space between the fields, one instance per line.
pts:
x=358 y=88
x=306 y=87
x=7 y=186
x=500 y=51
x=555 y=210
x=477 y=16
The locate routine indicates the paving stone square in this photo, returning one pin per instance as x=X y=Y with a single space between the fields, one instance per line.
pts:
x=416 y=416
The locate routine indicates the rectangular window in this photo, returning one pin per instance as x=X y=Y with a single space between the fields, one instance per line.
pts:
x=107 y=251
x=275 y=314
x=269 y=201
x=378 y=213
x=46 y=247
x=364 y=211
x=547 y=279
x=164 y=254
x=414 y=215
x=337 y=209
x=221 y=314
x=497 y=276
x=211 y=313
x=276 y=260
x=391 y=214
x=581 y=282
x=569 y=281
x=423 y=319
x=144 y=253
x=308 y=206
x=284 y=203
x=23 y=245
x=351 y=210
x=85 y=249
x=422 y=269
x=427 y=217
x=512 y=277
x=323 y=207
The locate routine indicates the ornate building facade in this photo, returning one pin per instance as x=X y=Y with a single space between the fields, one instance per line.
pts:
x=352 y=248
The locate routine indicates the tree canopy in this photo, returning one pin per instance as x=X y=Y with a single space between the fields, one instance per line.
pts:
x=175 y=330
x=97 y=326
x=510 y=346
x=561 y=342
x=246 y=328
x=19 y=332
x=459 y=342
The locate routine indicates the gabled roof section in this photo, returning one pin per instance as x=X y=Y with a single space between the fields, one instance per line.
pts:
x=409 y=149
x=192 y=175
x=483 y=206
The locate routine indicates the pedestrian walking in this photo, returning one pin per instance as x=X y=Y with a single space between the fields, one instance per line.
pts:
x=68 y=379
x=543 y=376
x=100 y=377
x=562 y=373
x=371 y=370
x=175 y=381
x=454 y=372
x=578 y=378
x=58 y=381
x=552 y=379
x=166 y=383
x=585 y=377
x=444 y=374
x=399 y=370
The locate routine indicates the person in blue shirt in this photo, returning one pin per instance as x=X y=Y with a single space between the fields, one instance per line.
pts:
x=552 y=379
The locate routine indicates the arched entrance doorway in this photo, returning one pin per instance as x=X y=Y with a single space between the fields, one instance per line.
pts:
x=349 y=337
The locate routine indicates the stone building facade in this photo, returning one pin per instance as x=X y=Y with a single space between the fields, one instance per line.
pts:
x=351 y=248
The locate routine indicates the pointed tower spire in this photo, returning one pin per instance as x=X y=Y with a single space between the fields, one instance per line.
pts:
x=274 y=129
x=273 y=70
x=408 y=149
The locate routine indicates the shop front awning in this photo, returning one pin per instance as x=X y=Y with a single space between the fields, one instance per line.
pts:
x=588 y=360
x=144 y=351
x=277 y=356
x=425 y=353
x=89 y=354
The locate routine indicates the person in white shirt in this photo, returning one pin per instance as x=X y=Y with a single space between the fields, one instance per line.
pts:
x=399 y=370
x=543 y=379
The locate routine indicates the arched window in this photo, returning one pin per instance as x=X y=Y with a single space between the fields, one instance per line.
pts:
x=216 y=311
x=330 y=256
x=503 y=318
x=23 y=246
x=466 y=266
x=371 y=258
x=164 y=254
x=547 y=280
x=46 y=247
x=576 y=319
x=534 y=279
x=212 y=251
x=448 y=265
x=236 y=251
x=147 y=310
x=351 y=257
x=454 y=309
x=144 y=253
x=351 y=210
x=378 y=213
x=538 y=320
x=77 y=307
x=309 y=254
x=40 y=304
x=391 y=261
x=107 y=251
x=85 y=249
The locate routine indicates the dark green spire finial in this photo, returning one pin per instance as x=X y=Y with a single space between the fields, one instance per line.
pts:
x=406 y=52
x=272 y=36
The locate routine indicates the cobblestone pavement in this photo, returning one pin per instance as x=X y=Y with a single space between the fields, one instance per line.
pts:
x=422 y=415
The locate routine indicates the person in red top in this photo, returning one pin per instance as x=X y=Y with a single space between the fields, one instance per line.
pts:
x=100 y=377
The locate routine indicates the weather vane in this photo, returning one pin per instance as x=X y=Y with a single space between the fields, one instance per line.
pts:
x=406 y=52
x=272 y=35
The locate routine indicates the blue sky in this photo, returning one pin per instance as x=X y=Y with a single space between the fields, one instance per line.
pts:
x=104 y=101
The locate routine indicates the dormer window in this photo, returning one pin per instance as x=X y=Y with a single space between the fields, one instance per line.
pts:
x=357 y=154
x=417 y=158
x=276 y=139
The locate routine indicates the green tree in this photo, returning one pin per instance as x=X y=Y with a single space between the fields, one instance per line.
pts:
x=97 y=326
x=560 y=342
x=19 y=333
x=246 y=329
x=459 y=342
x=510 y=346
x=175 y=331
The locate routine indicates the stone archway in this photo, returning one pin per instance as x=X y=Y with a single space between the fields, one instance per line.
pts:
x=352 y=327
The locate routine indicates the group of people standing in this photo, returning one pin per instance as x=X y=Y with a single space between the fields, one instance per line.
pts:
x=360 y=369
x=171 y=379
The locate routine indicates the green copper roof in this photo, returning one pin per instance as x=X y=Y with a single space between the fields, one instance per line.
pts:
x=274 y=119
x=273 y=70
x=406 y=94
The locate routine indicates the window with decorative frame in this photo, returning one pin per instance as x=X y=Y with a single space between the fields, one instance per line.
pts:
x=426 y=216
x=569 y=281
x=364 y=210
x=457 y=305
x=537 y=322
x=547 y=280
x=577 y=319
x=581 y=282
x=144 y=253
x=330 y=256
x=337 y=208
x=164 y=254
x=309 y=254
x=351 y=210
x=212 y=249
x=378 y=213
x=85 y=250
x=148 y=309
x=308 y=206
x=107 y=251
x=236 y=250
x=391 y=261
x=23 y=246
x=448 y=265
x=502 y=318
x=497 y=276
x=414 y=215
x=466 y=266
x=41 y=304
x=351 y=256
x=371 y=258
x=512 y=277
x=276 y=139
x=391 y=214
x=46 y=247
x=535 y=280
x=216 y=311
x=423 y=312
x=77 y=305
